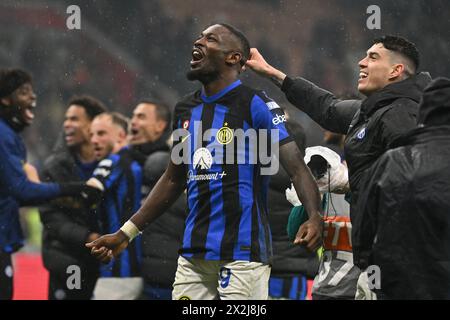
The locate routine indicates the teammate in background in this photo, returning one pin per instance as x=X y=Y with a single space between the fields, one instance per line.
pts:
x=67 y=225
x=17 y=105
x=120 y=178
x=149 y=135
x=227 y=247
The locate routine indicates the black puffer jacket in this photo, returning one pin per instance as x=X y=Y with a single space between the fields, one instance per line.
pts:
x=163 y=238
x=67 y=223
x=371 y=125
x=403 y=222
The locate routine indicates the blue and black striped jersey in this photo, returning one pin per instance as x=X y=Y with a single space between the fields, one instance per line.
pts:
x=293 y=287
x=121 y=178
x=226 y=192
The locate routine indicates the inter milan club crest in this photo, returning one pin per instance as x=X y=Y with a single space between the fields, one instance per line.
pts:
x=224 y=135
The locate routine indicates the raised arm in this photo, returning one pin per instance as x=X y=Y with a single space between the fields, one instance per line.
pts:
x=321 y=105
x=163 y=195
x=13 y=174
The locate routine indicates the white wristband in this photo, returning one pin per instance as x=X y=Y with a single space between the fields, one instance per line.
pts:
x=130 y=230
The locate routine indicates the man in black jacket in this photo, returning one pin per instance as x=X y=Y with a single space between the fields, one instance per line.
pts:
x=393 y=88
x=150 y=129
x=67 y=224
x=403 y=213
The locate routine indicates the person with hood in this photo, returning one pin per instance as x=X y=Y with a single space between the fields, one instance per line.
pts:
x=388 y=78
x=404 y=211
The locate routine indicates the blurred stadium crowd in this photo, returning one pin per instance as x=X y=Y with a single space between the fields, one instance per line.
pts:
x=140 y=49
x=125 y=51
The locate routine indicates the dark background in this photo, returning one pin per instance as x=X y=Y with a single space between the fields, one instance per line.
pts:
x=128 y=50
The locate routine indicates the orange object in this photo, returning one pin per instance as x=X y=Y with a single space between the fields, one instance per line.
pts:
x=337 y=233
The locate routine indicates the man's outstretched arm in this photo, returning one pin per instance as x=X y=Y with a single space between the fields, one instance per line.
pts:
x=166 y=191
x=321 y=105
x=310 y=232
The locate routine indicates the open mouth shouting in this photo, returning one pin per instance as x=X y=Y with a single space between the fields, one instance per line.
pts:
x=28 y=113
x=134 y=133
x=197 y=57
x=69 y=135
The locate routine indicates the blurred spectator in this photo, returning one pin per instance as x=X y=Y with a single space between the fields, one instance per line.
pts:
x=161 y=240
x=120 y=178
x=67 y=224
x=36 y=38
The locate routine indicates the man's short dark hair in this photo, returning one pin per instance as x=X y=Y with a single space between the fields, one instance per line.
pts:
x=91 y=105
x=12 y=79
x=242 y=40
x=162 y=110
x=402 y=46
